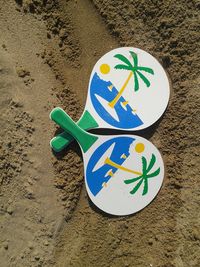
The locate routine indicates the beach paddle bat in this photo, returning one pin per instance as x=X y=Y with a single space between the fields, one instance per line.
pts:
x=123 y=173
x=128 y=90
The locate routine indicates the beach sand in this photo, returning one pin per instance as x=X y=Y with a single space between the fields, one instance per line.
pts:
x=47 y=52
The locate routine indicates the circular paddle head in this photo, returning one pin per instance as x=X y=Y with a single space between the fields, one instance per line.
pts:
x=123 y=174
x=128 y=90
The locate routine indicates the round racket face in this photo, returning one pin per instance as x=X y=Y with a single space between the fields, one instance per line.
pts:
x=128 y=89
x=123 y=174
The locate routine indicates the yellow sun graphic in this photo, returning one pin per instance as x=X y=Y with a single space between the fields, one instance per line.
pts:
x=105 y=68
x=139 y=148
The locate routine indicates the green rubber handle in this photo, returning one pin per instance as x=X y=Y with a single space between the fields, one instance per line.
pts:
x=84 y=139
x=62 y=140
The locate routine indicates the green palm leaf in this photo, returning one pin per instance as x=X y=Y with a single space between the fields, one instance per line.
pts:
x=135 y=58
x=123 y=59
x=145 y=189
x=153 y=173
x=144 y=165
x=136 y=82
x=149 y=70
x=129 y=181
x=145 y=80
x=123 y=67
x=136 y=187
x=152 y=161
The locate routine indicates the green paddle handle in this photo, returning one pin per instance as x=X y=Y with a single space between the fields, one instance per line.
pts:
x=62 y=140
x=85 y=139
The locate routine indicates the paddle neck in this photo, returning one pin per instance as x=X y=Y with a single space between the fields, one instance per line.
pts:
x=87 y=121
x=84 y=139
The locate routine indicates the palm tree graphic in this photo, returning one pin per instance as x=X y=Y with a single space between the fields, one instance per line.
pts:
x=143 y=176
x=135 y=71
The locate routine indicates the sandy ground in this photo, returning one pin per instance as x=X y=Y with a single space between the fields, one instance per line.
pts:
x=47 y=51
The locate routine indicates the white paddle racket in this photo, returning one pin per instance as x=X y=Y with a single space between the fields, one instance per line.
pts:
x=128 y=90
x=122 y=173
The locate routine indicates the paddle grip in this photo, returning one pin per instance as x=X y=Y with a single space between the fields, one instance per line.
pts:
x=84 y=139
x=63 y=139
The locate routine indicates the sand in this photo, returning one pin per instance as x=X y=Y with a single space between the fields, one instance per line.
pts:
x=47 y=51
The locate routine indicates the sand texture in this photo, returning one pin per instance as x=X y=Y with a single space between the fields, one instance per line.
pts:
x=47 y=51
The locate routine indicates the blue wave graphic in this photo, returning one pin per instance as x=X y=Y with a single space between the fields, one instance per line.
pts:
x=126 y=118
x=96 y=178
